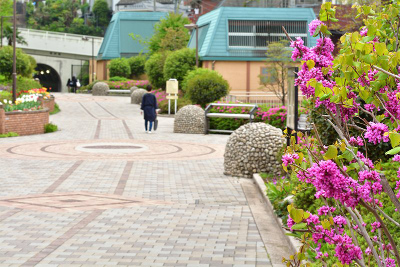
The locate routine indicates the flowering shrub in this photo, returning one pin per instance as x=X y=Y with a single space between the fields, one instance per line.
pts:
x=353 y=226
x=162 y=101
x=23 y=103
x=39 y=91
x=127 y=84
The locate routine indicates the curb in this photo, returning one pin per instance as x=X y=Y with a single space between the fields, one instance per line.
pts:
x=294 y=243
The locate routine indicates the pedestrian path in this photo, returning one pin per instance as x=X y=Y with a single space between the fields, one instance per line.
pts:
x=102 y=192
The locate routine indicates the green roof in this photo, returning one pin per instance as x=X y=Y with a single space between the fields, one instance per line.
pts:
x=117 y=42
x=216 y=43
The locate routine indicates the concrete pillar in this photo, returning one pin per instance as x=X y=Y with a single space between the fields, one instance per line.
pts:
x=2 y=120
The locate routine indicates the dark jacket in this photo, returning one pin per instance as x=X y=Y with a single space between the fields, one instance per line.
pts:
x=74 y=80
x=149 y=106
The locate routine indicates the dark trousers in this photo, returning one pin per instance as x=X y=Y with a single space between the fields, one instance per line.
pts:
x=146 y=122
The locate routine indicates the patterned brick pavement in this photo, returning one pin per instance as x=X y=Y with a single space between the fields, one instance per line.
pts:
x=102 y=192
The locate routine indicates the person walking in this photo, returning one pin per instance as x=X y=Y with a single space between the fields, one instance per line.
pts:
x=73 y=83
x=149 y=106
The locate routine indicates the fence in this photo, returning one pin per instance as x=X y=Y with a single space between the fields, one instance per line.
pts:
x=268 y=99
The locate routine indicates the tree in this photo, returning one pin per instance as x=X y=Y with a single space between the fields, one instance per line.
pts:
x=275 y=78
x=60 y=16
x=25 y=63
x=178 y=63
x=102 y=13
x=8 y=33
x=172 y=28
x=357 y=222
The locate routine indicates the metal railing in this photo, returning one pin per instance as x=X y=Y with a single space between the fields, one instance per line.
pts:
x=261 y=98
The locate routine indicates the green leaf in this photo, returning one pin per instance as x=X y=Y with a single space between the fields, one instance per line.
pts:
x=296 y=215
x=331 y=153
x=393 y=151
x=394 y=139
x=360 y=46
x=382 y=76
x=380 y=49
x=310 y=64
x=326 y=224
x=368 y=59
x=317 y=31
x=325 y=96
x=299 y=226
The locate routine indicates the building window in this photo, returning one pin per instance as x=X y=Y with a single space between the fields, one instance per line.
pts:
x=257 y=34
x=285 y=3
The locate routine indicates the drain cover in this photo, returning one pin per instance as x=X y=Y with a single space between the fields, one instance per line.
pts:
x=111 y=148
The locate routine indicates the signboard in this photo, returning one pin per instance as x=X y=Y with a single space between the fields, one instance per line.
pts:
x=172 y=97
x=172 y=86
x=291 y=101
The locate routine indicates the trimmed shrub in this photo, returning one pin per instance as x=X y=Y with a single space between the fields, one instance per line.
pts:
x=137 y=65
x=190 y=75
x=206 y=87
x=119 y=67
x=154 y=69
x=117 y=79
x=9 y=134
x=179 y=63
x=50 y=127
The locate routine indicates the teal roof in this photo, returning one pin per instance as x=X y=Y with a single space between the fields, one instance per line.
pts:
x=213 y=30
x=117 y=42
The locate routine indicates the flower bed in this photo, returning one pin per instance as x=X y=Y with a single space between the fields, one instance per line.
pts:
x=273 y=116
x=24 y=122
x=127 y=84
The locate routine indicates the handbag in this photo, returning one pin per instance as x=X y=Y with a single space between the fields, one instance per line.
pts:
x=78 y=84
x=155 y=124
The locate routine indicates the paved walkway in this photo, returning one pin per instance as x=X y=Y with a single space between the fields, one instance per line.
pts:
x=103 y=192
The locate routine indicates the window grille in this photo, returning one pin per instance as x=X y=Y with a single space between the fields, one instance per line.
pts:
x=257 y=34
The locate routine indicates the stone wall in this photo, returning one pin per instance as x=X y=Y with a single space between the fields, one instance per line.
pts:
x=23 y=122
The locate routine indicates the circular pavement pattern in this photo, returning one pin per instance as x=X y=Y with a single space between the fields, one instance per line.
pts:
x=111 y=150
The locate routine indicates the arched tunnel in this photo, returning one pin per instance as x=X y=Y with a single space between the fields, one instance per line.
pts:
x=48 y=77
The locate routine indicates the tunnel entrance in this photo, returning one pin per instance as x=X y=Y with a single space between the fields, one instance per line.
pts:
x=48 y=77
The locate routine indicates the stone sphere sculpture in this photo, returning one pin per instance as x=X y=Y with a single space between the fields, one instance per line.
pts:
x=133 y=88
x=100 y=88
x=189 y=119
x=137 y=95
x=253 y=148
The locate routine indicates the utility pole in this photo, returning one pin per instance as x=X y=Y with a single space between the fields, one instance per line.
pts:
x=14 y=74
x=154 y=5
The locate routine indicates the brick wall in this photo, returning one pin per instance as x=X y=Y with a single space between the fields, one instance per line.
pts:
x=23 y=122
x=48 y=103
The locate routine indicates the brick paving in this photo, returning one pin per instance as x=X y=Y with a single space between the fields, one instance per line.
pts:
x=70 y=198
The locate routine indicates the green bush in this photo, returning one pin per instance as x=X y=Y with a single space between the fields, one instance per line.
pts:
x=9 y=134
x=137 y=65
x=154 y=69
x=119 y=67
x=179 y=63
x=117 y=79
x=24 y=84
x=191 y=74
x=25 y=63
x=5 y=95
x=50 y=127
x=206 y=87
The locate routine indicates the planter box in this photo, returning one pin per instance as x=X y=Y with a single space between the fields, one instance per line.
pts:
x=294 y=243
x=48 y=103
x=23 y=122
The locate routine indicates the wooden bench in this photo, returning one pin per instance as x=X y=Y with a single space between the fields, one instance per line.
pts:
x=119 y=91
x=249 y=116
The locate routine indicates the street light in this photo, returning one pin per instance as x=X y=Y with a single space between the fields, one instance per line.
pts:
x=196 y=27
x=14 y=74
x=87 y=39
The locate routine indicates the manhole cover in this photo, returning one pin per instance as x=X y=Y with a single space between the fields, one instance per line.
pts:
x=111 y=148
x=70 y=200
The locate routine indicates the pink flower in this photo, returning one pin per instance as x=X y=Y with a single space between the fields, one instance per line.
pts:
x=289 y=159
x=375 y=133
x=314 y=25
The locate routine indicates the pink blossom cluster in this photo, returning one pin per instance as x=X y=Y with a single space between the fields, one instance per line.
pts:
x=375 y=133
x=288 y=159
x=127 y=84
x=345 y=250
x=356 y=141
x=364 y=31
x=314 y=25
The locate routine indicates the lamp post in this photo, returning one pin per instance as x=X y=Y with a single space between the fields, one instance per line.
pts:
x=196 y=27
x=1 y=33
x=14 y=73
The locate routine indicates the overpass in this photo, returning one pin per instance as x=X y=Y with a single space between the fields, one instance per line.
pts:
x=59 y=55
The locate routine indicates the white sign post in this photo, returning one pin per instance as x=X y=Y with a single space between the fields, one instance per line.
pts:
x=172 y=91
